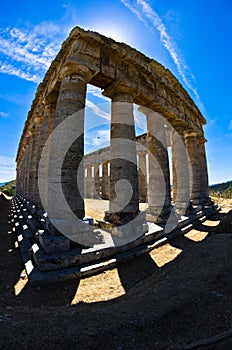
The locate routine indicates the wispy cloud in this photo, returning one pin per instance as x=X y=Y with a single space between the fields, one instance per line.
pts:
x=146 y=14
x=19 y=72
x=97 y=110
x=230 y=125
x=3 y=115
x=28 y=52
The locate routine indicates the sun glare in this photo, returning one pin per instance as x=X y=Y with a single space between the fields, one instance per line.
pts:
x=114 y=31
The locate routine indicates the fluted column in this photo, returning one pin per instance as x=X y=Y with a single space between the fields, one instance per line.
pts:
x=180 y=185
x=203 y=171
x=42 y=168
x=159 y=190
x=105 y=181
x=34 y=158
x=19 y=178
x=69 y=124
x=28 y=163
x=24 y=160
x=142 y=176
x=124 y=201
x=194 y=168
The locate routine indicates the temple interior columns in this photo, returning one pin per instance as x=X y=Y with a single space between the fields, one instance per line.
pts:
x=105 y=180
x=96 y=182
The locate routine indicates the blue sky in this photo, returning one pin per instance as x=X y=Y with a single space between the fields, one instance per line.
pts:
x=191 y=38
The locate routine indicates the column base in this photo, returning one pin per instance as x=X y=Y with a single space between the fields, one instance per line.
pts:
x=120 y=218
x=133 y=229
x=183 y=208
x=76 y=231
x=158 y=215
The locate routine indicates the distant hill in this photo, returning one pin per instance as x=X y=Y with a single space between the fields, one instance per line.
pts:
x=8 y=188
x=223 y=189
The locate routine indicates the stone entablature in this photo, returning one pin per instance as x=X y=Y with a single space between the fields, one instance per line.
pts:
x=153 y=85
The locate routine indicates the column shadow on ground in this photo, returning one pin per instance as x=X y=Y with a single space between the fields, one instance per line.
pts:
x=14 y=286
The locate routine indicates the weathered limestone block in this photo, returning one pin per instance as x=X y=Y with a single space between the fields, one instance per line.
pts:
x=53 y=244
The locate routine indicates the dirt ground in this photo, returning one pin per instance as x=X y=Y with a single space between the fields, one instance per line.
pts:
x=177 y=294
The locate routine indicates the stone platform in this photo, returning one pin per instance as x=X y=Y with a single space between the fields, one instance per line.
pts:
x=49 y=256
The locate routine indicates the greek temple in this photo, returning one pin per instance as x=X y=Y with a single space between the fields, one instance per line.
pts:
x=54 y=176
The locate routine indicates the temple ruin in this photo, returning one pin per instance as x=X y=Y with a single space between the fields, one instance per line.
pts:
x=51 y=160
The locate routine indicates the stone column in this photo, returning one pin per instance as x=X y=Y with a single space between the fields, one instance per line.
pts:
x=96 y=182
x=69 y=118
x=19 y=177
x=142 y=176
x=203 y=171
x=23 y=170
x=180 y=185
x=159 y=190
x=28 y=163
x=124 y=201
x=194 y=168
x=46 y=129
x=88 y=183
x=105 y=181
x=34 y=158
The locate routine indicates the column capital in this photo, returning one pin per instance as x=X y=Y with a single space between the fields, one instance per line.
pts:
x=119 y=92
x=76 y=71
